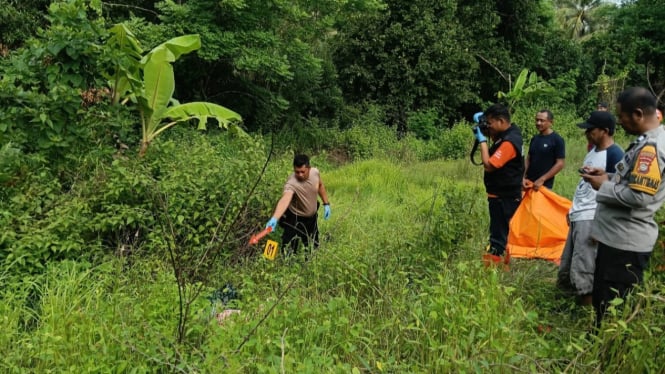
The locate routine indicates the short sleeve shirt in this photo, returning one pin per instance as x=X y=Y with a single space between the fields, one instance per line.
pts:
x=544 y=150
x=502 y=155
x=584 y=201
x=304 y=202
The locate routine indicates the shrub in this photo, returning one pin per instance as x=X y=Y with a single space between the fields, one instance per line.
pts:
x=447 y=230
x=414 y=149
x=456 y=142
x=41 y=224
x=10 y=161
x=43 y=85
x=192 y=183
x=448 y=144
x=423 y=123
x=202 y=185
x=310 y=137
x=366 y=141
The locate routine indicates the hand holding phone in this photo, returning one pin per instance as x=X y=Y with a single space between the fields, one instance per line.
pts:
x=581 y=171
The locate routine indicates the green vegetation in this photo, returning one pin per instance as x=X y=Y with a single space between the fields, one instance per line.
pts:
x=396 y=286
x=118 y=259
x=154 y=93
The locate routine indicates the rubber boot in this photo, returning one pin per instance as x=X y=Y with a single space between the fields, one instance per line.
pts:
x=491 y=260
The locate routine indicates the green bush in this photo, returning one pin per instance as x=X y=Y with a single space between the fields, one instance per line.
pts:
x=49 y=83
x=193 y=187
x=41 y=224
x=310 y=137
x=203 y=184
x=446 y=231
x=448 y=144
x=423 y=123
x=456 y=142
x=20 y=20
x=370 y=140
x=10 y=162
x=362 y=134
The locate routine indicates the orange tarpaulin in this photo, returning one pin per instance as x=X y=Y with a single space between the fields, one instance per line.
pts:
x=539 y=229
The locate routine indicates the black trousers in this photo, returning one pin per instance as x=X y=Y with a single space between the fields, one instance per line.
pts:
x=617 y=273
x=501 y=210
x=299 y=229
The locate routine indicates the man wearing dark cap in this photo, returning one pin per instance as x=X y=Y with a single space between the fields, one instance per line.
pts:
x=579 y=254
x=628 y=199
x=602 y=106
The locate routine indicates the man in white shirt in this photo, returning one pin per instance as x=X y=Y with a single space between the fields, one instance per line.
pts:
x=579 y=254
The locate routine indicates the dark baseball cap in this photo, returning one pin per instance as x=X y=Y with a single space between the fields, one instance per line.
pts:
x=599 y=120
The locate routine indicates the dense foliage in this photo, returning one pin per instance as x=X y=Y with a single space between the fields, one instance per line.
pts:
x=289 y=65
x=112 y=247
x=396 y=286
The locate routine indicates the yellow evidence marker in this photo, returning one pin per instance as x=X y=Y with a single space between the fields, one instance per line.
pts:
x=270 y=251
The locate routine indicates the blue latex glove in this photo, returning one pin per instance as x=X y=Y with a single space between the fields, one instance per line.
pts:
x=479 y=135
x=326 y=211
x=272 y=223
x=476 y=117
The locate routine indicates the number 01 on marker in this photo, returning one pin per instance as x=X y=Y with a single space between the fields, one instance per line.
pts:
x=270 y=251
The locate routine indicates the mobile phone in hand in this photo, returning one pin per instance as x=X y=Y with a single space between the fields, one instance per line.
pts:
x=581 y=171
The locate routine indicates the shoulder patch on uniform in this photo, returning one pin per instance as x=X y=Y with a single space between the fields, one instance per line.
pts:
x=645 y=176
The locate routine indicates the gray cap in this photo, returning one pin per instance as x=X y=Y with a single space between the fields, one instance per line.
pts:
x=599 y=120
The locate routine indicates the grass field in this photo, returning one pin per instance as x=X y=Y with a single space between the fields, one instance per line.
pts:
x=396 y=286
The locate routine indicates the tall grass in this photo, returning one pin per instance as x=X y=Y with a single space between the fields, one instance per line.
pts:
x=397 y=285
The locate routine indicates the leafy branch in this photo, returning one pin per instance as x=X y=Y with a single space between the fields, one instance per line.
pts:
x=149 y=82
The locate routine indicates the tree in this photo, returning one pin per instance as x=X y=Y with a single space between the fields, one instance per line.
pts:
x=44 y=81
x=412 y=56
x=269 y=60
x=577 y=16
x=631 y=51
x=639 y=27
x=19 y=21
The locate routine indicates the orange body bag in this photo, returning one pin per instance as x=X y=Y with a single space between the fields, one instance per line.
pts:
x=539 y=228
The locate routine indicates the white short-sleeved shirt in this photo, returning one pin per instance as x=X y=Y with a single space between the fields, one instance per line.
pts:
x=584 y=201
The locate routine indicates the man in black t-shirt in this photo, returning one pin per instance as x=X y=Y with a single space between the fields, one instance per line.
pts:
x=547 y=153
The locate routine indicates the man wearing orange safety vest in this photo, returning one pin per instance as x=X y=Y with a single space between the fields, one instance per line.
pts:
x=504 y=168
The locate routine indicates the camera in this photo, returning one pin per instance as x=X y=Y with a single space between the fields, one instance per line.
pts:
x=484 y=127
x=482 y=124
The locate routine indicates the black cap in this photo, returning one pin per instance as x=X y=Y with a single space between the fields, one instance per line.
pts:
x=599 y=120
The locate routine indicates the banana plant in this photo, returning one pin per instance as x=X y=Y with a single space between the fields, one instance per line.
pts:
x=150 y=83
x=526 y=85
x=125 y=52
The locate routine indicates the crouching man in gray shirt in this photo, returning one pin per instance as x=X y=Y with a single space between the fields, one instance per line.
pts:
x=624 y=223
